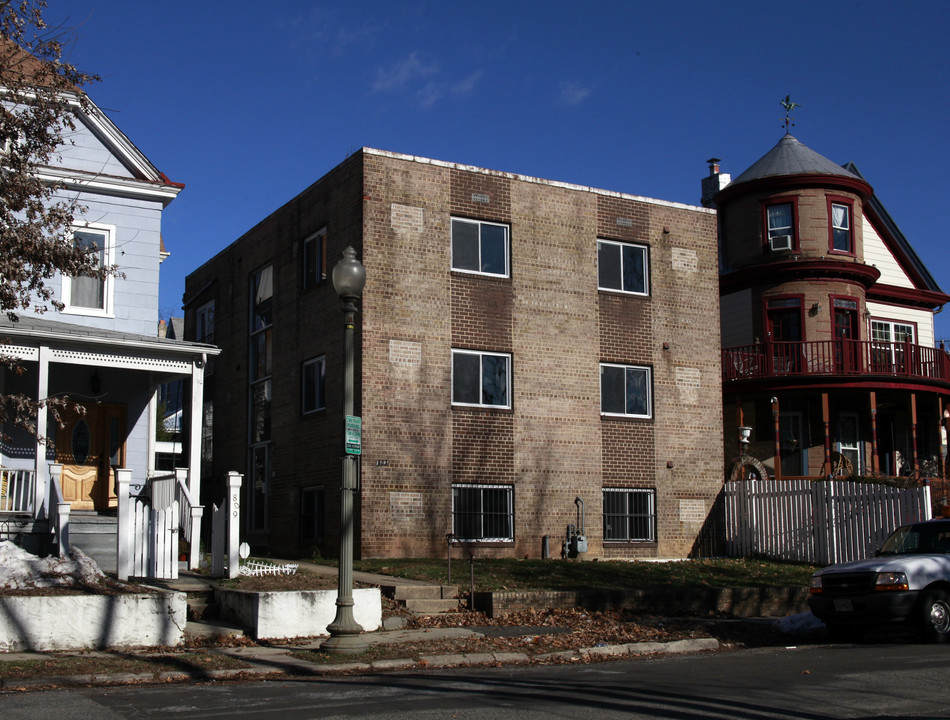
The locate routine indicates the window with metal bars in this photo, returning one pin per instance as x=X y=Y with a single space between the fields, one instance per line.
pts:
x=630 y=514
x=483 y=512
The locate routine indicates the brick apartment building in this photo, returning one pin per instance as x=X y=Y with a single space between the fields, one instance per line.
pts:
x=520 y=344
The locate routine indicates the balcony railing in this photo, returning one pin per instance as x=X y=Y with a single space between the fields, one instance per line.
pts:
x=835 y=358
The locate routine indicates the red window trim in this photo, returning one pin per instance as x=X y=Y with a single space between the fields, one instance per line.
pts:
x=783 y=200
x=849 y=202
x=857 y=310
x=783 y=296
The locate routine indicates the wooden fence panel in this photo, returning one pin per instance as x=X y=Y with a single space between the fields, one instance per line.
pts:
x=819 y=522
x=154 y=541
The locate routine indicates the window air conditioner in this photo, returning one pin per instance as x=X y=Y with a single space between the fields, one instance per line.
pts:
x=780 y=242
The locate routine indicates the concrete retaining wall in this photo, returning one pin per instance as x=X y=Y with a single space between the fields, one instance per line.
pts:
x=298 y=613
x=737 y=602
x=77 y=622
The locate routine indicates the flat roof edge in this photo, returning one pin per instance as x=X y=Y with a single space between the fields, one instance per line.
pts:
x=537 y=181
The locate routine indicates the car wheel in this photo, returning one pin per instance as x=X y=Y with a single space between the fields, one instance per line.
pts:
x=845 y=633
x=934 y=618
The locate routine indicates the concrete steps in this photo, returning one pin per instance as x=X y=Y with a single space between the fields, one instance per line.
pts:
x=95 y=535
x=204 y=612
x=421 y=599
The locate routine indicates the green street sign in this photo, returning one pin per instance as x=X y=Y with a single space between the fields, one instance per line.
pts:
x=353 y=441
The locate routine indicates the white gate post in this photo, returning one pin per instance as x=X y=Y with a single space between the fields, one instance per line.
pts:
x=123 y=478
x=233 y=522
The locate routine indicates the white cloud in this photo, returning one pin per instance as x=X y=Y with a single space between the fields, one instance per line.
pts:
x=572 y=93
x=404 y=73
x=465 y=86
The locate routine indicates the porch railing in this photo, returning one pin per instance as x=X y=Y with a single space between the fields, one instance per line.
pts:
x=835 y=357
x=164 y=491
x=16 y=490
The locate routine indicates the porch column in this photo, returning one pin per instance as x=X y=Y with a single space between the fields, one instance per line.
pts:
x=913 y=432
x=826 y=420
x=41 y=470
x=875 y=460
x=777 y=462
x=196 y=417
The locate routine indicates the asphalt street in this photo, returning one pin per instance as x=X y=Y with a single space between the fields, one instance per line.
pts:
x=891 y=680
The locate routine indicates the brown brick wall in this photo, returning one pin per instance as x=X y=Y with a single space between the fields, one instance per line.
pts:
x=742 y=224
x=552 y=445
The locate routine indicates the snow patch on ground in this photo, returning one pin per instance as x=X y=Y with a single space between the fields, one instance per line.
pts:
x=20 y=570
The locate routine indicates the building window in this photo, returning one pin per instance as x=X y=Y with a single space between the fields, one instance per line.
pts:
x=480 y=247
x=623 y=267
x=312 y=510
x=204 y=331
x=314 y=258
x=890 y=346
x=84 y=295
x=312 y=384
x=259 y=381
x=625 y=390
x=483 y=512
x=204 y=323
x=842 y=239
x=630 y=514
x=481 y=379
x=780 y=226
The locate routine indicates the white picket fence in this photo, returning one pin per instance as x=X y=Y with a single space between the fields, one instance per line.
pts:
x=154 y=540
x=816 y=521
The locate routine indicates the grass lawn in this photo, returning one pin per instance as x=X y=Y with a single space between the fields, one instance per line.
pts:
x=512 y=574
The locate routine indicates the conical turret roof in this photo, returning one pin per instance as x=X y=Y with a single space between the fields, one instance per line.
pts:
x=790 y=157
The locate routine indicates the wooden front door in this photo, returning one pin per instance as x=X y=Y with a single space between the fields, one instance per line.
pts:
x=88 y=446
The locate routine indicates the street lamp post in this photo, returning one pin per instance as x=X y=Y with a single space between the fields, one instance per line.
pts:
x=349 y=277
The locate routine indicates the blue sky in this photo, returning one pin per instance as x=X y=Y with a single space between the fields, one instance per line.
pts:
x=248 y=103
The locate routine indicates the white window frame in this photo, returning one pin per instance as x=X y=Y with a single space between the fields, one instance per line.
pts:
x=650 y=517
x=510 y=512
x=480 y=224
x=319 y=384
x=482 y=354
x=780 y=230
x=108 y=260
x=649 y=390
x=645 y=253
x=841 y=228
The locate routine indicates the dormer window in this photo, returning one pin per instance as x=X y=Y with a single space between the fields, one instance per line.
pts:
x=780 y=226
x=840 y=227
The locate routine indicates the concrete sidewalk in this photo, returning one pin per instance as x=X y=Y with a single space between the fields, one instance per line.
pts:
x=276 y=660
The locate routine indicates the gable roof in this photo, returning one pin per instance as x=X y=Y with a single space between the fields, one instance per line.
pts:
x=147 y=180
x=899 y=245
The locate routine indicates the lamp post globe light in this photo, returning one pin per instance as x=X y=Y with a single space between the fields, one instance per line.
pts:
x=349 y=277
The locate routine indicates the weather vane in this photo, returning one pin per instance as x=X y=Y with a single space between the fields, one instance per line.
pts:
x=789 y=106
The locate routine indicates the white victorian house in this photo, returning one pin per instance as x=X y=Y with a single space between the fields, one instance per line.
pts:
x=102 y=352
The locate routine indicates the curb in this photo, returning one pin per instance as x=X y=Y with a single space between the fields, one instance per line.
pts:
x=290 y=665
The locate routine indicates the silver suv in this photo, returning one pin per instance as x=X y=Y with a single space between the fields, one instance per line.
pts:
x=908 y=582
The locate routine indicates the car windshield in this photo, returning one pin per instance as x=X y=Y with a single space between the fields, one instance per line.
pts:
x=918 y=539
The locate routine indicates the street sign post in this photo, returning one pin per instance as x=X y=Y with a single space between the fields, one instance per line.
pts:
x=353 y=441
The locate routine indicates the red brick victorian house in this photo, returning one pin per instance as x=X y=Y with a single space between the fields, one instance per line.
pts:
x=828 y=351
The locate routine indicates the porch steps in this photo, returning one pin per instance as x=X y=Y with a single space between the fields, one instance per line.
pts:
x=95 y=535
x=203 y=611
x=424 y=599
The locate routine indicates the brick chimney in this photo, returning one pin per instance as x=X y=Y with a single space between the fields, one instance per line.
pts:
x=714 y=182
